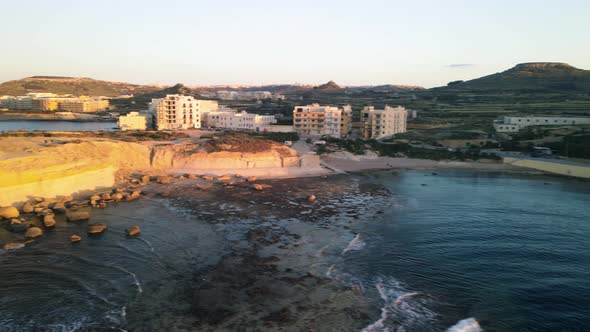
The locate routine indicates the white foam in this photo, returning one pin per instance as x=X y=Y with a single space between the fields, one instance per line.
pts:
x=135 y=280
x=146 y=242
x=354 y=244
x=329 y=272
x=466 y=325
x=379 y=325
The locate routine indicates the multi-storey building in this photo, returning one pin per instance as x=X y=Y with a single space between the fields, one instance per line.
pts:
x=83 y=104
x=513 y=124
x=382 y=123
x=180 y=112
x=317 y=120
x=232 y=119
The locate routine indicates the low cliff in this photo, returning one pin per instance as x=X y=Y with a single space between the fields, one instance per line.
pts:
x=50 y=167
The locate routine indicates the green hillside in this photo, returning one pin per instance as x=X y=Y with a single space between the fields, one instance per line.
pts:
x=529 y=77
x=72 y=85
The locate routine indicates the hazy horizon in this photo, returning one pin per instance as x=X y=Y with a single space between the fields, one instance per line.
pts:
x=425 y=43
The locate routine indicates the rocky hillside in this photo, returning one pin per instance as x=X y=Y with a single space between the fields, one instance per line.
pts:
x=529 y=77
x=73 y=85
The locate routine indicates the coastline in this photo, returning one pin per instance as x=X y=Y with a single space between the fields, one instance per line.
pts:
x=74 y=117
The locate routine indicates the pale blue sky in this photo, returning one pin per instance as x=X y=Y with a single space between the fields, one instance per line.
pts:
x=417 y=42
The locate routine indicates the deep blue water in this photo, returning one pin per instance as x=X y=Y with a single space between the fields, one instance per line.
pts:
x=512 y=252
x=9 y=125
x=423 y=251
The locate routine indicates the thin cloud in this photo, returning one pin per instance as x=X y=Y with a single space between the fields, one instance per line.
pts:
x=461 y=65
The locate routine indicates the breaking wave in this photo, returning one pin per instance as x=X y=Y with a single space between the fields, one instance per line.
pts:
x=354 y=244
x=466 y=325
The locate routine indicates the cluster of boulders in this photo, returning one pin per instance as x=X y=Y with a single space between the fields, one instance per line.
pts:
x=39 y=214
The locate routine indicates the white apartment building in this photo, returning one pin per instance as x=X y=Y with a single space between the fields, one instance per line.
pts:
x=133 y=121
x=513 y=124
x=382 y=123
x=232 y=119
x=180 y=112
x=318 y=120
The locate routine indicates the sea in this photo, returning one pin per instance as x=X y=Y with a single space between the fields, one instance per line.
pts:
x=29 y=125
x=377 y=251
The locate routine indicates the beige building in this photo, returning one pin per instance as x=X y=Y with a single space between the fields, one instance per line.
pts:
x=133 y=121
x=383 y=123
x=180 y=112
x=83 y=104
x=318 y=120
x=232 y=119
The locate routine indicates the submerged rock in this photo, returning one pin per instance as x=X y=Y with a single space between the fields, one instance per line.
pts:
x=251 y=179
x=14 y=245
x=9 y=212
x=96 y=229
x=257 y=187
x=133 y=230
x=311 y=198
x=34 y=232
x=145 y=179
x=77 y=215
x=75 y=238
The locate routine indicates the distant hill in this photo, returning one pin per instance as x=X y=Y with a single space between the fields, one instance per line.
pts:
x=331 y=85
x=528 y=77
x=72 y=85
x=144 y=99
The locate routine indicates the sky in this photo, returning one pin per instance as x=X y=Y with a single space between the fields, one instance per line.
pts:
x=368 y=42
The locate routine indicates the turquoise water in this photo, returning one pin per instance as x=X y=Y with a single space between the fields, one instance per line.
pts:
x=407 y=251
x=9 y=125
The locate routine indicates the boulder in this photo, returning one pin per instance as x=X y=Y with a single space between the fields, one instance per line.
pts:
x=163 y=180
x=145 y=179
x=117 y=197
x=15 y=221
x=102 y=205
x=77 y=215
x=66 y=199
x=9 y=212
x=133 y=230
x=134 y=194
x=96 y=229
x=207 y=177
x=105 y=196
x=38 y=199
x=94 y=198
x=75 y=238
x=38 y=210
x=251 y=179
x=224 y=178
x=257 y=187
x=28 y=207
x=48 y=221
x=49 y=200
x=33 y=232
x=191 y=176
x=59 y=208
x=311 y=198
x=43 y=205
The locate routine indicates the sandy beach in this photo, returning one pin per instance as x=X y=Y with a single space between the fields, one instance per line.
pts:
x=347 y=162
